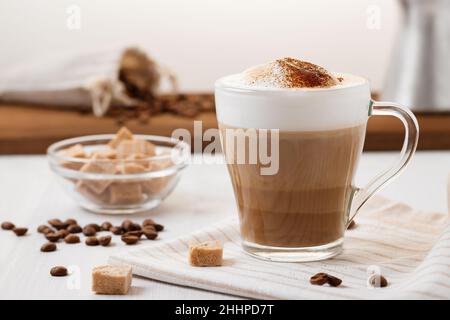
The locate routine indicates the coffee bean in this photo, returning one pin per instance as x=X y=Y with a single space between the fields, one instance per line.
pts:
x=91 y=241
x=52 y=237
x=148 y=222
x=62 y=233
x=135 y=227
x=70 y=222
x=378 y=281
x=334 y=281
x=105 y=240
x=95 y=226
x=129 y=239
x=57 y=224
x=58 y=271
x=106 y=226
x=20 y=231
x=8 y=225
x=150 y=233
x=74 y=228
x=136 y=233
x=159 y=227
x=116 y=230
x=48 y=247
x=72 y=238
x=352 y=225
x=89 y=231
x=126 y=225
x=319 y=279
x=44 y=229
x=150 y=227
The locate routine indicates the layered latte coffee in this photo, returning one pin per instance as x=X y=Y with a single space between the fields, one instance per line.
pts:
x=320 y=135
x=292 y=134
x=306 y=202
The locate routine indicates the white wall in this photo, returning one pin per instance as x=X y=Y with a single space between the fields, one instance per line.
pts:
x=204 y=39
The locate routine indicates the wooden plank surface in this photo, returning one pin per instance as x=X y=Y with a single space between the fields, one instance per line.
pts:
x=30 y=130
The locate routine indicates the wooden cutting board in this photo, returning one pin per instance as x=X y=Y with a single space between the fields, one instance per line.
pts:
x=30 y=130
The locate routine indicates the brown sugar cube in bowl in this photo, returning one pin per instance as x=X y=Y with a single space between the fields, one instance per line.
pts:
x=138 y=146
x=97 y=165
x=126 y=193
x=75 y=151
x=108 y=279
x=121 y=135
x=206 y=254
x=157 y=185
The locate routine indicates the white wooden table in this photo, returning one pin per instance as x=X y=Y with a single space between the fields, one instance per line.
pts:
x=29 y=196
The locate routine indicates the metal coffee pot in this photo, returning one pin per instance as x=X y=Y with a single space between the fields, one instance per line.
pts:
x=419 y=73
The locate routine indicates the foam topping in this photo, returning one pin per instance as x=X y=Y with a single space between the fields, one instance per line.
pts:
x=287 y=73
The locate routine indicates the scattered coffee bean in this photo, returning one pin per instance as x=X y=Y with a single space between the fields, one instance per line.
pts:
x=57 y=224
x=74 y=228
x=126 y=225
x=136 y=233
x=333 y=281
x=116 y=230
x=319 y=279
x=89 y=231
x=105 y=240
x=58 y=271
x=148 y=222
x=70 y=222
x=129 y=239
x=135 y=227
x=91 y=241
x=62 y=233
x=378 y=281
x=106 y=226
x=72 y=238
x=8 y=225
x=159 y=227
x=44 y=229
x=150 y=227
x=93 y=225
x=20 y=231
x=150 y=233
x=52 y=237
x=48 y=247
x=352 y=225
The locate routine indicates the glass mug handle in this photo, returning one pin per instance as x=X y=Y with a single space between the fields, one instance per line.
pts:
x=409 y=121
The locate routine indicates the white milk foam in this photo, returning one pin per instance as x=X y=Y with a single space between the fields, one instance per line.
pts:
x=260 y=105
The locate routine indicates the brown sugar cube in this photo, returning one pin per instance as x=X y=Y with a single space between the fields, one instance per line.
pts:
x=139 y=159
x=127 y=148
x=107 y=153
x=125 y=193
x=109 y=279
x=102 y=198
x=206 y=254
x=157 y=185
x=121 y=135
x=130 y=168
x=97 y=166
x=75 y=151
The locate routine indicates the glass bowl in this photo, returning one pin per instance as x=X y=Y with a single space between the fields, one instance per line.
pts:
x=110 y=185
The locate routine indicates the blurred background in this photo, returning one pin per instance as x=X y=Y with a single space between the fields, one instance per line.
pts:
x=202 y=40
x=63 y=61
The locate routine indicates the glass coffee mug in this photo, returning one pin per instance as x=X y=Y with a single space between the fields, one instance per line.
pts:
x=292 y=155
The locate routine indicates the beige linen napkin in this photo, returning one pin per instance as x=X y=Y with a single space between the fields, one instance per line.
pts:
x=410 y=247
